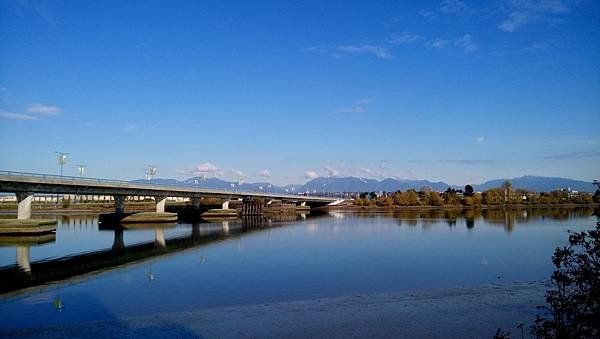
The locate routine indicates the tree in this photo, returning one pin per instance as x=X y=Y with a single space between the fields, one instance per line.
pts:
x=507 y=188
x=582 y=198
x=468 y=190
x=575 y=300
x=474 y=200
x=425 y=189
x=385 y=201
x=435 y=199
x=451 y=197
x=412 y=197
x=493 y=196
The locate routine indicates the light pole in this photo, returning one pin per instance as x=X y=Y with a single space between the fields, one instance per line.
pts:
x=81 y=169
x=150 y=172
x=62 y=160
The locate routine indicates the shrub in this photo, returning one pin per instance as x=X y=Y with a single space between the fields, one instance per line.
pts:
x=575 y=300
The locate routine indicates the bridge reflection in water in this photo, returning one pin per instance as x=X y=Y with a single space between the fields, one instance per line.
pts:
x=26 y=274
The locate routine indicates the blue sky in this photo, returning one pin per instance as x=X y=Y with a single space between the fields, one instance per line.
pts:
x=286 y=91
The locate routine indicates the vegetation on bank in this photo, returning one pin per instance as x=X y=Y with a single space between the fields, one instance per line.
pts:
x=504 y=195
x=573 y=309
x=574 y=302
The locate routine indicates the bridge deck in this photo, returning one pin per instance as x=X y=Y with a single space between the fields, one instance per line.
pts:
x=15 y=182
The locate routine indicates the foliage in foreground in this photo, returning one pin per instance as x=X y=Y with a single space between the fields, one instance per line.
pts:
x=574 y=303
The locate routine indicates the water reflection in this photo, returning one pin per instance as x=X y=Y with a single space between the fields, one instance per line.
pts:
x=105 y=272
x=507 y=218
x=22 y=245
x=26 y=273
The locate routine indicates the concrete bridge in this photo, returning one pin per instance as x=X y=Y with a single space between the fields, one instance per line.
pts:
x=25 y=185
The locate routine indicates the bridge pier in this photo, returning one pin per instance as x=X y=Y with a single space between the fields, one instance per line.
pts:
x=24 y=200
x=119 y=204
x=252 y=207
x=160 y=203
x=196 y=203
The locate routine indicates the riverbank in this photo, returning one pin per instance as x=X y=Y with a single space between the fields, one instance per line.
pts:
x=468 y=312
x=355 y=208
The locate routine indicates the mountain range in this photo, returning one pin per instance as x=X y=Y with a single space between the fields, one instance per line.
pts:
x=355 y=184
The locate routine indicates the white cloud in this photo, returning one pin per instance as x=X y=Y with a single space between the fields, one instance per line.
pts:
x=523 y=12
x=378 y=51
x=238 y=173
x=205 y=168
x=454 y=7
x=514 y=21
x=369 y=172
x=264 y=173
x=533 y=48
x=466 y=43
x=43 y=109
x=365 y=101
x=541 y=6
x=341 y=51
x=383 y=164
x=17 y=116
x=480 y=139
x=357 y=108
x=311 y=175
x=331 y=171
x=438 y=43
x=426 y=14
x=130 y=128
x=404 y=38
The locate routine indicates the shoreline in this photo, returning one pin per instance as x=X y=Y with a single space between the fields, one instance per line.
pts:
x=354 y=208
x=90 y=208
x=461 y=312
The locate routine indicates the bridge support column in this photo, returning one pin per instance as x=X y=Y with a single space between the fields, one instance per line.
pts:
x=24 y=210
x=160 y=204
x=252 y=207
x=119 y=204
x=225 y=205
x=196 y=203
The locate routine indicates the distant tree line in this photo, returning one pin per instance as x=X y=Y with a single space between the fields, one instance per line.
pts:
x=504 y=195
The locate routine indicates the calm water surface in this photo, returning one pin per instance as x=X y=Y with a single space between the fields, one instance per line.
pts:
x=204 y=265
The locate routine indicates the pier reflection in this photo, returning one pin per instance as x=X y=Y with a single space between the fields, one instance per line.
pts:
x=28 y=274
x=22 y=245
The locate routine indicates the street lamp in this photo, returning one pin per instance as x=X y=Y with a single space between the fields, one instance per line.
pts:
x=62 y=160
x=81 y=170
x=150 y=172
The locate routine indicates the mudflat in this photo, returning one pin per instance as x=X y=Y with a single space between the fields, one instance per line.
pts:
x=467 y=312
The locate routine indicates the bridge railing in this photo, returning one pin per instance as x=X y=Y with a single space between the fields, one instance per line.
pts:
x=115 y=181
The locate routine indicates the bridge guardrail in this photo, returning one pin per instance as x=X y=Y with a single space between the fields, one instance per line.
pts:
x=115 y=181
